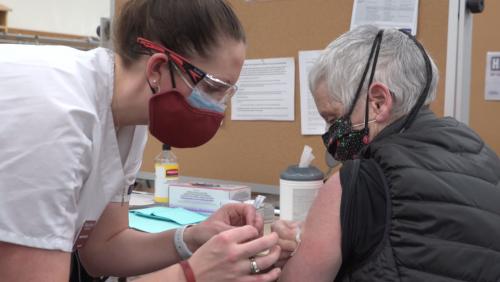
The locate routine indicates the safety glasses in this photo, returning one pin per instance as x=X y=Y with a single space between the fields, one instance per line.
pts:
x=216 y=89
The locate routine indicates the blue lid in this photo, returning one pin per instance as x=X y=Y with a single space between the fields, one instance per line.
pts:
x=294 y=172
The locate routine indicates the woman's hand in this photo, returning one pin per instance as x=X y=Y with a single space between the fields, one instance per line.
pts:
x=288 y=239
x=226 y=256
x=225 y=218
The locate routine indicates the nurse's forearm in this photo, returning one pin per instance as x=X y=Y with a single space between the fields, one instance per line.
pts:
x=130 y=253
x=114 y=249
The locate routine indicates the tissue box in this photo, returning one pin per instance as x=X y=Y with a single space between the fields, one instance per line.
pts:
x=205 y=197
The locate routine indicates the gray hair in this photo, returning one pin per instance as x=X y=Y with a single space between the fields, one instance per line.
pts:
x=400 y=66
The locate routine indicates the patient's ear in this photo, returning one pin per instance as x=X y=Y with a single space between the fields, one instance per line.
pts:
x=380 y=102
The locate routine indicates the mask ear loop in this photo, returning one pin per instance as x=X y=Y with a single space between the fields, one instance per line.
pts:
x=153 y=90
x=358 y=91
x=425 y=92
x=378 y=40
x=171 y=69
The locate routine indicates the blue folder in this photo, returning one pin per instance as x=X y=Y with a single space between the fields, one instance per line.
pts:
x=159 y=219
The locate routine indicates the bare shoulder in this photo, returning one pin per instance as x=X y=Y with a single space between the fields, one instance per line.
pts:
x=328 y=199
x=325 y=210
x=21 y=263
x=332 y=186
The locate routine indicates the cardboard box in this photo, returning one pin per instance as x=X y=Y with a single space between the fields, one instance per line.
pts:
x=205 y=197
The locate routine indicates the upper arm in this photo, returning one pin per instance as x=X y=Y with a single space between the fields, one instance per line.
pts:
x=113 y=220
x=44 y=162
x=320 y=238
x=19 y=263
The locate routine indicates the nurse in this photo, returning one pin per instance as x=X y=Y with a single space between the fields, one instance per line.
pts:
x=73 y=129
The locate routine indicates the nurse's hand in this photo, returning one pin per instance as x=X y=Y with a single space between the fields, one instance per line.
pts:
x=225 y=218
x=227 y=257
x=289 y=238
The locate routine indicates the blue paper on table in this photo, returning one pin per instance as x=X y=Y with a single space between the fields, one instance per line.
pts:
x=178 y=215
x=150 y=225
x=157 y=219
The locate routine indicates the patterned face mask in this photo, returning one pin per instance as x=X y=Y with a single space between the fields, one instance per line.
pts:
x=341 y=140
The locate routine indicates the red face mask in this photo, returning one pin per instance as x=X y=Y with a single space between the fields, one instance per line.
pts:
x=173 y=121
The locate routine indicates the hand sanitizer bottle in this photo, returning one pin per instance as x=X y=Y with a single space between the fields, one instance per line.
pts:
x=166 y=173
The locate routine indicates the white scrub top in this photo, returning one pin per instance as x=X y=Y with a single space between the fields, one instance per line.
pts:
x=61 y=159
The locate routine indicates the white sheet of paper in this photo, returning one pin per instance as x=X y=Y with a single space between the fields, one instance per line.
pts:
x=266 y=90
x=386 y=14
x=492 y=79
x=141 y=199
x=311 y=123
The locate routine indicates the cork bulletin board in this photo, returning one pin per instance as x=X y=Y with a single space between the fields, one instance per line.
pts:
x=258 y=151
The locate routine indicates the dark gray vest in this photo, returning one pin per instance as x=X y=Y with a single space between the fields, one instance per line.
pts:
x=443 y=186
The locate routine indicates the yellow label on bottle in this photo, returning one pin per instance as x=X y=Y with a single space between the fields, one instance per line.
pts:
x=163 y=200
x=164 y=174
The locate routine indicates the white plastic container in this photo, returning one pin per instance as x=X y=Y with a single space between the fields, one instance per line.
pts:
x=298 y=189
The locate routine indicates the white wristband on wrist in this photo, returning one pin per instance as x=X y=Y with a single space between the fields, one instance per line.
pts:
x=180 y=245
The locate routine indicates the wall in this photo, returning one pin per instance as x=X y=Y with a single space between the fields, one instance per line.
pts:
x=253 y=151
x=258 y=151
x=77 y=17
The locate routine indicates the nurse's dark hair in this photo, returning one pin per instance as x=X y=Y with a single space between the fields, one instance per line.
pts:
x=189 y=27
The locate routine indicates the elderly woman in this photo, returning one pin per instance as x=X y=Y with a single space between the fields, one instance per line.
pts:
x=417 y=197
